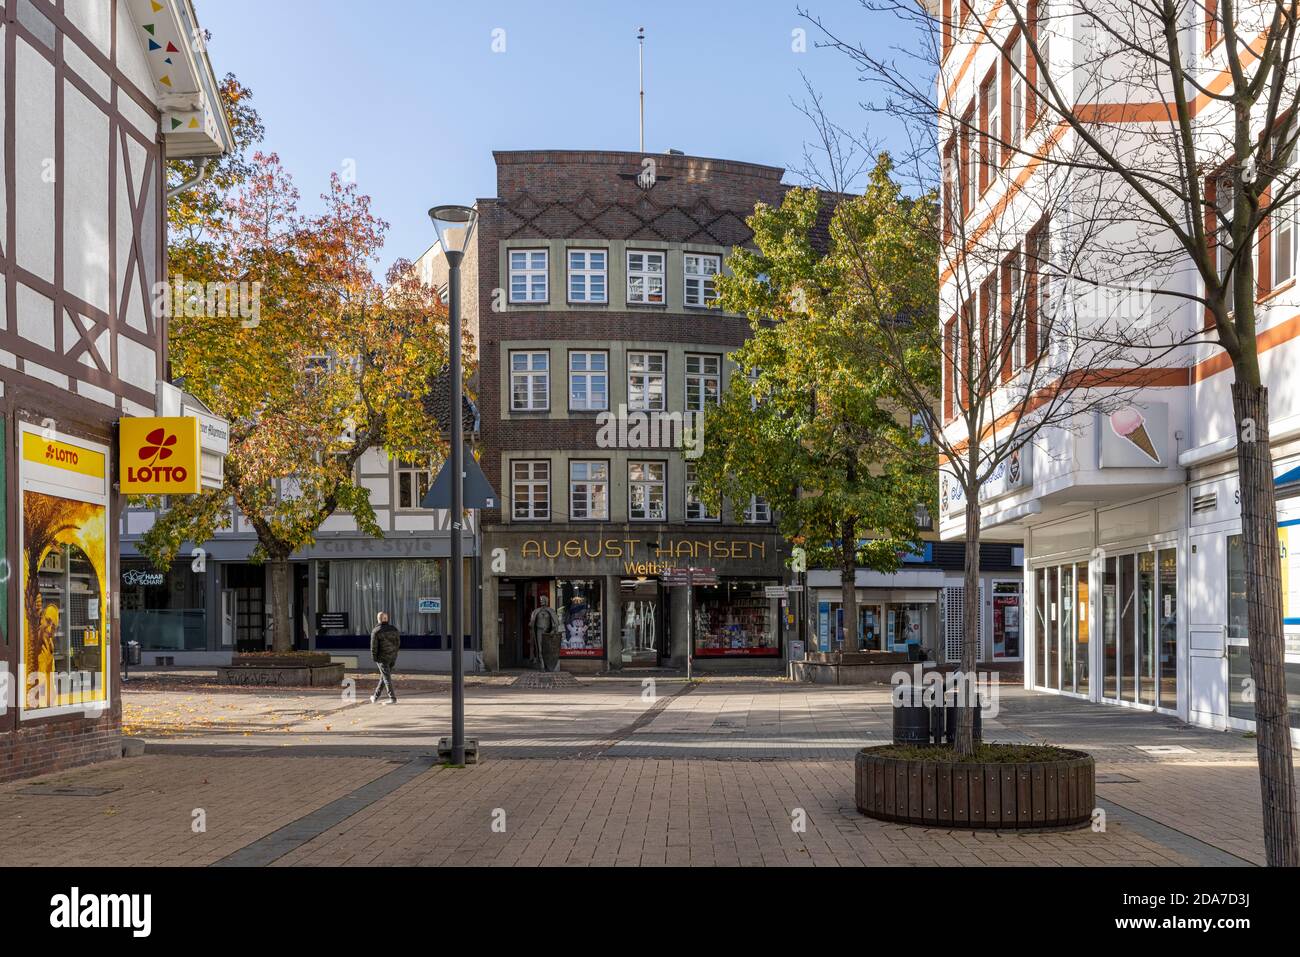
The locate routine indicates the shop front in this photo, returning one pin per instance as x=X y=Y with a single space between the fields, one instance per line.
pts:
x=917 y=610
x=163 y=611
x=1218 y=662
x=619 y=604
x=1106 y=589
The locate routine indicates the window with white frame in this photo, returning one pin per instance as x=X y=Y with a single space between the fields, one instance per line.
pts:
x=1042 y=291
x=1223 y=203
x=588 y=491
x=696 y=510
x=530 y=490
x=703 y=382
x=645 y=278
x=646 y=484
x=1282 y=225
x=530 y=381
x=700 y=270
x=528 y=275
x=413 y=481
x=588 y=274
x=1015 y=67
x=588 y=381
x=991 y=134
x=758 y=512
x=1013 y=311
x=646 y=381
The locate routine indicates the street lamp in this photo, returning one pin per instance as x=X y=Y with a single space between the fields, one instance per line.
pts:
x=455 y=226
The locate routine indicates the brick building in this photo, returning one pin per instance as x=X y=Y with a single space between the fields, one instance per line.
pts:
x=96 y=97
x=588 y=293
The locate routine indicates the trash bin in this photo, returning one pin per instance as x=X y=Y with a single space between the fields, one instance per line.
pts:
x=133 y=653
x=912 y=719
x=948 y=727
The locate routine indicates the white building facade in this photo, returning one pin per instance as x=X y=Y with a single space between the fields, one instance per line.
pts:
x=1134 y=582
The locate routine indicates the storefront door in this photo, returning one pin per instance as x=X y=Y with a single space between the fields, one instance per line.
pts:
x=1006 y=621
x=509 y=632
x=641 y=623
x=1139 y=609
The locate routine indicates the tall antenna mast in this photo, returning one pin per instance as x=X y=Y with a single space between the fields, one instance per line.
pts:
x=640 y=66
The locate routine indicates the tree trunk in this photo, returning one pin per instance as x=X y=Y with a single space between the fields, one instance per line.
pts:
x=849 y=586
x=1264 y=622
x=970 y=618
x=277 y=573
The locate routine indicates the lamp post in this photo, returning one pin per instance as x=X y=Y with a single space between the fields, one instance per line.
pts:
x=454 y=226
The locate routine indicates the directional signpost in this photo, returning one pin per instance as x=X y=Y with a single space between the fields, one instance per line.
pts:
x=690 y=577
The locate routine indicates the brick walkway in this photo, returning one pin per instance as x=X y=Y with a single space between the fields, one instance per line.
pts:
x=606 y=772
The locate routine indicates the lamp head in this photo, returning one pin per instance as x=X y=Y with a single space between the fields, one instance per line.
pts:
x=454 y=226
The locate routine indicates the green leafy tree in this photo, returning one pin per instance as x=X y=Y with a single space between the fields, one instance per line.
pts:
x=813 y=422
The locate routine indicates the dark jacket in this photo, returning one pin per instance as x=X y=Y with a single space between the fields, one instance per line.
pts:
x=385 y=642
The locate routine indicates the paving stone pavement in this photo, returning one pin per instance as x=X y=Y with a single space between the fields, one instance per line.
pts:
x=610 y=771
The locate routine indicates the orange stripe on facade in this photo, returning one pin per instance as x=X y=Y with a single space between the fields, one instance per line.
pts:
x=1157 y=377
x=1091 y=113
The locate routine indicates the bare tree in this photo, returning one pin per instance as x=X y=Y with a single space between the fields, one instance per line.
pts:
x=1169 y=130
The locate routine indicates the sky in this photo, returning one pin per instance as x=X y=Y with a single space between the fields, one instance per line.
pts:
x=414 y=95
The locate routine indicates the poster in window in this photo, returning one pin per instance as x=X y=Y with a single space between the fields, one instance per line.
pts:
x=65 y=649
x=65 y=646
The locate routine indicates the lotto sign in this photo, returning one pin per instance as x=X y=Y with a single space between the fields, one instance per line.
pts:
x=159 y=456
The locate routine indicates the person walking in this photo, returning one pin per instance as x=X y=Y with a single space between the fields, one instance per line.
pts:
x=385 y=642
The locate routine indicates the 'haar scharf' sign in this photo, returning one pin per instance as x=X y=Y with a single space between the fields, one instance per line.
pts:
x=159 y=456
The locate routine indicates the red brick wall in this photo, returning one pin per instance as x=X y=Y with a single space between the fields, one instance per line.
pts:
x=58 y=743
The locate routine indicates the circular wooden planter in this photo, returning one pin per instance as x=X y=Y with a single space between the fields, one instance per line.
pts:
x=1037 y=794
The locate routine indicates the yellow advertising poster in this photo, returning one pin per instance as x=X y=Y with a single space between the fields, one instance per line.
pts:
x=1288 y=534
x=65 y=602
x=159 y=456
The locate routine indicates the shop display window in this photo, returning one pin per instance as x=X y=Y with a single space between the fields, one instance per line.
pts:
x=579 y=605
x=736 y=619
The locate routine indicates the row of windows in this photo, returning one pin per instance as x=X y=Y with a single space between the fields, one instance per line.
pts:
x=1004 y=327
x=589 y=385
x=588 y=277
x=647 y=493
x=992 y=127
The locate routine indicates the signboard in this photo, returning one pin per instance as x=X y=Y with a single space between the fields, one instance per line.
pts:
x=476 y=490
x=775 y=591
x=430 y=606
x=332 y=621
x=1136 y=436
x=159 y=456
x=1011 y=474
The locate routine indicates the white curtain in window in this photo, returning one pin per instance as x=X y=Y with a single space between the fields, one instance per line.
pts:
x=365 y=588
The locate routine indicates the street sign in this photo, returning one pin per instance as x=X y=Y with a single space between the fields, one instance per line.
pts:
x=478 y=490
x=332 y=621
x=774 y=591
x=794 y=588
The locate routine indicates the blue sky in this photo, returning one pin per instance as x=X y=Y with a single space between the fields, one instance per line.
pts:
x=412 y=92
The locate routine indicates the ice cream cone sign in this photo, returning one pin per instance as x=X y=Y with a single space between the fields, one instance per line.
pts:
x=1129 y=425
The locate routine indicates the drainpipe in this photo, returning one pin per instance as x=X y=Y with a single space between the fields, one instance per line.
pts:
x=189 y=184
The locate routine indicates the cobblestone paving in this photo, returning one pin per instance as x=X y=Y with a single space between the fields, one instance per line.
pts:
x=607 y=771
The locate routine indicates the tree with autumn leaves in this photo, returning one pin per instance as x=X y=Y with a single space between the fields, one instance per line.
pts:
x=335 y=364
